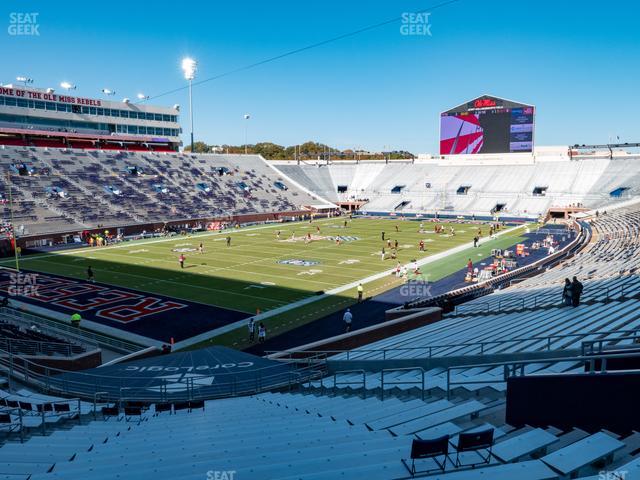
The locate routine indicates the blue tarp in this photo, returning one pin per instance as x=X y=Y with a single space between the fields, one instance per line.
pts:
x=205 y=373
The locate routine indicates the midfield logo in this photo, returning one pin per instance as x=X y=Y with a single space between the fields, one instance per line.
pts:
x=343 y=238
x=298 y=262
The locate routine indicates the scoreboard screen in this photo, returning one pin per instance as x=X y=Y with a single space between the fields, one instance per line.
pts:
x=487 y=125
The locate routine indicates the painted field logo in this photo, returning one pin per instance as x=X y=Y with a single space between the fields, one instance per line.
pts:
x=183 y=250
x=343 y=238
x=298 y=262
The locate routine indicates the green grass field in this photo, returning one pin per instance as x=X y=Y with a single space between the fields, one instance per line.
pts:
x=250 y=275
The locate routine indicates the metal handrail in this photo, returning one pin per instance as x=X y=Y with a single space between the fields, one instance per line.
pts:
x=420 y=382
x=342 y=372
x=60 y=328
x=35 y=347
x=17 y=412
x=589 y=346
x=481 y=345
x=485 y=305
x=512 y=367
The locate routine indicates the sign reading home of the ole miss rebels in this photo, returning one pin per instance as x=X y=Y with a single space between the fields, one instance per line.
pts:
x=149 y=315
x=48 y=97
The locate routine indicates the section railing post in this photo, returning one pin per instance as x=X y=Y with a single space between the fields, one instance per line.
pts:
x=364 y=384
x=449 y=383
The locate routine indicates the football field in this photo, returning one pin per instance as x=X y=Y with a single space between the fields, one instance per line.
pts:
x=270 y=266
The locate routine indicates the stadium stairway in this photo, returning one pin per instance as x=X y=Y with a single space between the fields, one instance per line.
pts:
x=305 y=436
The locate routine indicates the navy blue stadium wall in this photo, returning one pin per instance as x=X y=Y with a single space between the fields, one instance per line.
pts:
x=591 y=402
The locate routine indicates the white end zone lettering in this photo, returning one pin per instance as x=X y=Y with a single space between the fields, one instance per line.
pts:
x=135 y=311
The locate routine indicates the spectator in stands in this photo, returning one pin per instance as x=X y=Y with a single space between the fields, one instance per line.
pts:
x=347 y=318
x=567 y=293
x=76 y=318
x=576 y=291
x=252 y=329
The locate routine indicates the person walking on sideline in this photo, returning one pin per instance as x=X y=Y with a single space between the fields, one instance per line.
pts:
x=262 y=333
x=181 y=260
x=567 y=293
x=360 y=292
x=90 y=277
x=347 y=318
x=576 y=291
x=252 y=329
x=228 y=241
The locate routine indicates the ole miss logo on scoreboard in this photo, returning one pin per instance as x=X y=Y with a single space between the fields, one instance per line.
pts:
x=75 y=296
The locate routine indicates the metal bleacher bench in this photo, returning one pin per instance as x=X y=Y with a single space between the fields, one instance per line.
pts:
x=531 y=470
x=570 y=459
x=517 y=447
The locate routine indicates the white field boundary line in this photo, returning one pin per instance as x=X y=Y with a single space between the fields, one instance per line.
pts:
x=277 y=311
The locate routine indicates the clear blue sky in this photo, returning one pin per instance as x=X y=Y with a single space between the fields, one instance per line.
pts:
x=576 y=61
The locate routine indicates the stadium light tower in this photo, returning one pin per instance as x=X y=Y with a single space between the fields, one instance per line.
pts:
x=189 y=67
x=67 y=86
x=25 y=80
x=246 y=128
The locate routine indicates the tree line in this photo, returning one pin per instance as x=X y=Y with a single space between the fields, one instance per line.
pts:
x=308 y=151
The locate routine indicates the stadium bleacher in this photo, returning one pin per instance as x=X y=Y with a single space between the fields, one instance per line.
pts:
x=79 y=199
x=306 y=436
x=577 y=181
x=32 y=341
